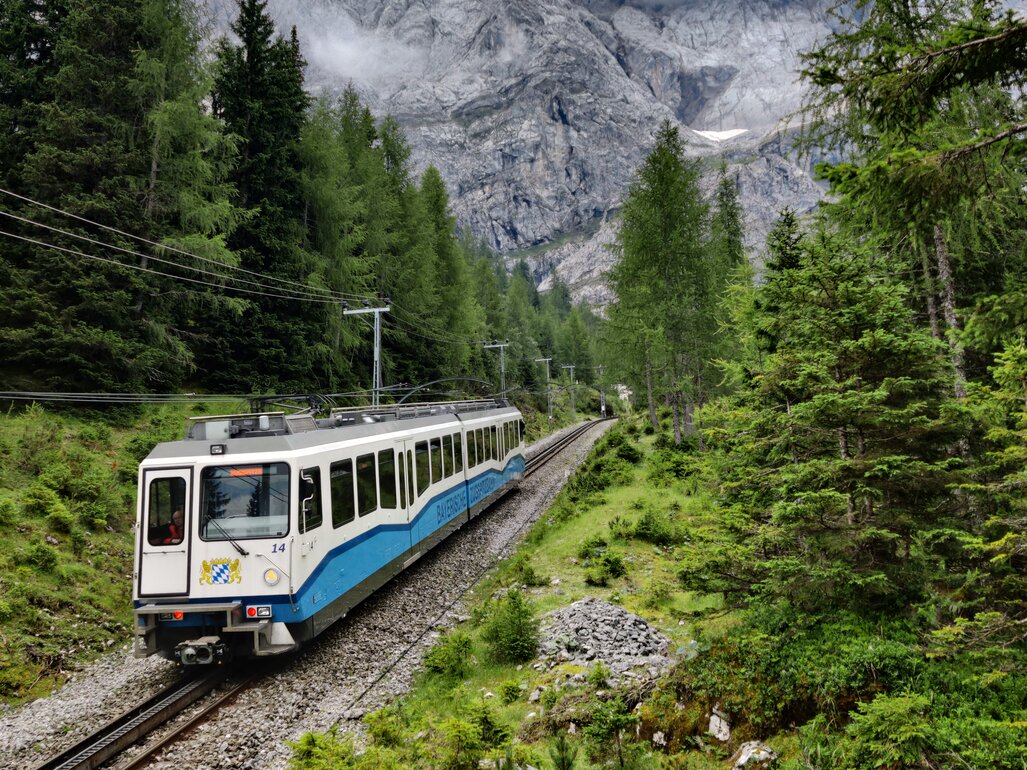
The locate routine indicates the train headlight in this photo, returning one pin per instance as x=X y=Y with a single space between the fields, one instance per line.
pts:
x=271 y=576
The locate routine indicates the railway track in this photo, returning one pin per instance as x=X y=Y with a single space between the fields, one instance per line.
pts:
x=134 y=725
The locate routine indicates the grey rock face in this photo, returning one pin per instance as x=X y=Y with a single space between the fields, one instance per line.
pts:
x=538 y=113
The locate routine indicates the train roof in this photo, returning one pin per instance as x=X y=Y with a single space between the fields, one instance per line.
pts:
x=271 y=432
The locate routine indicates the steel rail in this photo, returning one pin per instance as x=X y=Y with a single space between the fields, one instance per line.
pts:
x=134 y=724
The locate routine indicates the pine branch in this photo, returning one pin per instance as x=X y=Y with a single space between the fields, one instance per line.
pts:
x=1010 y=132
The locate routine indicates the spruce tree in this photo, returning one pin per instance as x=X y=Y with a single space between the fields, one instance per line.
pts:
x=838 y=470
x=258 y=92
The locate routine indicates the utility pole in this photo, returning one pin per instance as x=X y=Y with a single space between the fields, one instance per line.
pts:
x=602 y=392
x=549 y=393
x=376 y=372
x=571 y=367
x=502 y=362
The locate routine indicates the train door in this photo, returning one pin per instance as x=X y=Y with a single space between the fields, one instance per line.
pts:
x=405 y=477
x=165 y=528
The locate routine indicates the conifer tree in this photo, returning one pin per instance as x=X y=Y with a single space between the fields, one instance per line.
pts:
x=843 y=468
x=70 y=322
x=668 y=280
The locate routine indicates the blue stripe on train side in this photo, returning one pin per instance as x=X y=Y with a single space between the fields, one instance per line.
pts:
x=352 y=562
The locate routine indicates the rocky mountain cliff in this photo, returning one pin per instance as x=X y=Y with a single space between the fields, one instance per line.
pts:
x=537 y=113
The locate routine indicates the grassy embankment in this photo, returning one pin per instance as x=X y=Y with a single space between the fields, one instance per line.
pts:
x=613 y=533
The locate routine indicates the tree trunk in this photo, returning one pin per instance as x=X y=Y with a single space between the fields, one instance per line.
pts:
x=791 y=433
x=676 y=413
x=932 y=310
x=689 y=419
x=948 y=307
x=649 y=393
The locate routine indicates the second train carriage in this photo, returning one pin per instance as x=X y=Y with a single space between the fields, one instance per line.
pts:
x=258 y=531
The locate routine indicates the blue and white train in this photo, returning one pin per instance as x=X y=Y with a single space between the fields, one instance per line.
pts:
x=258 y=531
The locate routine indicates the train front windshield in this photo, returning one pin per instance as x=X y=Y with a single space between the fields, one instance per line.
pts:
x=244 y=501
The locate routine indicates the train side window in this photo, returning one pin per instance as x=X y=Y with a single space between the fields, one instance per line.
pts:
x=410 y=475
x=367 y=487
x=520 y=425
x=490 y=442
x=423 y=476
x=472 y=452
x=436 y=460
x=340 y=482
x=501 y=434
x=508 y=437
x=479 y=437
x=458 y=452
x=387 y=478
x=447 y=456
x=165 y=519
x=402 y=481
x=310 y=499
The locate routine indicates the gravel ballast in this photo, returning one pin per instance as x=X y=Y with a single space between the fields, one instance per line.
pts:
x=323 y=685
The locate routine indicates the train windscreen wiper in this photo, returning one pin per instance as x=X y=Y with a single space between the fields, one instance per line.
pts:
x=228 y=537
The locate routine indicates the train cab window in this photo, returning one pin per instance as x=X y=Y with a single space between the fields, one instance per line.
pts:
x=447 y=456
x=520 y=435
x=310 y=499
x=436 y=460
x=244 y=501
x=507 y=437
x=387 y=478
x=402 y=482
x=341 y=484
x=367 y=485
x=458 y=452
x=472 y=450
x=423 y=475
x=165 y=518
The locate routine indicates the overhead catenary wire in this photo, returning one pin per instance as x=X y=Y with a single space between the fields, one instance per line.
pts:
x=155 y=258
x=285 y=281
x=140 y=268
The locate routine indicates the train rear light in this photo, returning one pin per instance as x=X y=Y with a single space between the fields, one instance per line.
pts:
x=178 y=615
x=251 y=612
x=258 y=612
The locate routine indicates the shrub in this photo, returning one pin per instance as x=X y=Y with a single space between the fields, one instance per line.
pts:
x=8 y=512
x=61 y=521
x=563 y=754
x=592 y=547
x=629 y=453
x=96 y=436
x=458 y=745
x=892 y=731
x=450 y=656
x=509 y=692
x=511 y=631
x=41 y=501
x=599 y=675
x=608 y=566
x=548 y=698
x=657 y=528
x=609 y=721
x=385 y=727
x=6 y=610
x=42 y=556
x=656 y=592
x=620 y=528
x=525 y=573
x=491 y=731
x=667 y=465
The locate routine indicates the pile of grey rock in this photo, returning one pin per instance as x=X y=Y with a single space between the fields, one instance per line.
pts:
x=590 y=629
